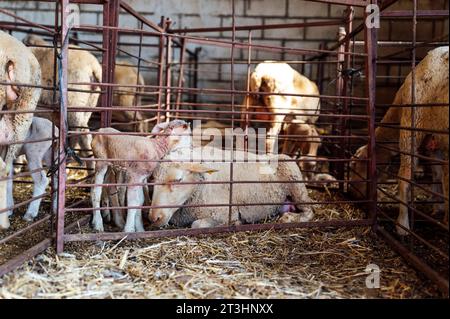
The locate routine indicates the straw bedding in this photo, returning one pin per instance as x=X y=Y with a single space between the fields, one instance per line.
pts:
x=267 y=264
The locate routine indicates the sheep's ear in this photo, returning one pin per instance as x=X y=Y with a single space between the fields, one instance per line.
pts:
x=159 y=128
x=200 y=169
x=255 y=82
x=11 y=90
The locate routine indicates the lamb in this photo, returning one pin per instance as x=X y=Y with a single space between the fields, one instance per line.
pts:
x=17 y=65
x=171 y=193
x=83 y=67
x=431 y=87
x=276 y=77
x=4 y=220
x=36 y=154
x=138 y=148
x=126 y=74
x=307 y=146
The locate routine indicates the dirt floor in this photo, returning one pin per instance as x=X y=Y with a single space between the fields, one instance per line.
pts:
x=267 y=264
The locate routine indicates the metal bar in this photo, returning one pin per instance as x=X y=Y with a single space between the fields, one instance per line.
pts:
x=370 y=36
x=167 y=23
x=62 y=130
x=415 y=261
x=215 y=230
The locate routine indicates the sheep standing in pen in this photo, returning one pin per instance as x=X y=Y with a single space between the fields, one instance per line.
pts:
x=130 y=148
x=37 y=154
x=282 y=79
x=17 y=65
x=127 y=96
x=171 y=193
x=431 y=86
x=83 y=67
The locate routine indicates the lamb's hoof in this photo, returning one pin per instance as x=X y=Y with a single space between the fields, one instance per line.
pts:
x=140 y=228
x=401 y=231
x=129 y=229
x=98 y=227
x=4 y=226
x=28 y=217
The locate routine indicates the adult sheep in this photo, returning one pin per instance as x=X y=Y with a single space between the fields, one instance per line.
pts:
x=270 y=187
x=125 y=73
x=431 y=86
x=83 y=67
x=281 y=79
x=17 y=65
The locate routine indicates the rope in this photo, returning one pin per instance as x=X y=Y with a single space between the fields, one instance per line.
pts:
x=68 y=151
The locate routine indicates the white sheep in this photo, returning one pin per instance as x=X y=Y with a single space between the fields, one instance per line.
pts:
x=17 y=65
x=36 y=154
x=131 y=148
x=276 y=77
x=431 y=84
x=171 y=193
x=83 y=67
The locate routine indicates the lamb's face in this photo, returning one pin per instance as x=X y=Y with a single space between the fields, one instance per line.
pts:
x=172 y=192
x=180 y=136
x=358 y=172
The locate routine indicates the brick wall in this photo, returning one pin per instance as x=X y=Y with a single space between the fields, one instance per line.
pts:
x=203 y=13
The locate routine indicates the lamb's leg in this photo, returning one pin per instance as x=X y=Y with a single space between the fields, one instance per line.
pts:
x=96 y=194
x=272 y=138
x=437 y=172
x=4 y=220
x=10 y=189
x=404 y=194
x=205 y=223
x=134 y=198
x=138 y=219
x=40 y=181
x=117 y=197
x=105 y=201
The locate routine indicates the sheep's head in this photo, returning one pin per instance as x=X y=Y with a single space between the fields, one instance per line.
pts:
x=12 y=93
x=178 y=131
x=172 y=192
x=358 y=172
x=33 y=39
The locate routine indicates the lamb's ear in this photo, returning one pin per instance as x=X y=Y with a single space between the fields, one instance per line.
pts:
x=12 y=93
x=159 y=128
x=255 y=82
x=200 y=168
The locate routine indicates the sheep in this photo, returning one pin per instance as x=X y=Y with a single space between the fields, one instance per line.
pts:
x=168 y=192
x=125 y=73
x=36 y=154
x=83 y=67
x=307 y=146
x=137 y=148
x=276 y=77
x=431 y=76
x=17 y=65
